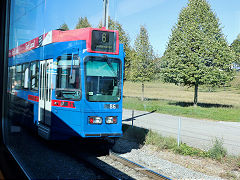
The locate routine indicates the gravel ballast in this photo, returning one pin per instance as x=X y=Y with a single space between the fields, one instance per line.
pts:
x=148 y=158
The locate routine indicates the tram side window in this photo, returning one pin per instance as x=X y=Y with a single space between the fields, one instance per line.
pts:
x=34 y=73
x=18 y=77
x=25 y=75
x=68 y=77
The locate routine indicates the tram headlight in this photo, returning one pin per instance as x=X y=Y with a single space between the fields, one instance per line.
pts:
x=111 y=120
x=94 y=120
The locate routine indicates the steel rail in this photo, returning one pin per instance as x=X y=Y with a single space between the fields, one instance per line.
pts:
x=137 y=167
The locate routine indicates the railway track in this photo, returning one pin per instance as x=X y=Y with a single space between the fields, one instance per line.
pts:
x=98 y=166
x=143 y=170
x=87 y=154
x=102 y=167
x=90 y=155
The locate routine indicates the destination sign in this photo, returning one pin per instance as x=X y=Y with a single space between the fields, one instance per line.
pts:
x=103 y=41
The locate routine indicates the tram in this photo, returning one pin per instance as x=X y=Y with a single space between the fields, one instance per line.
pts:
x=69 y=83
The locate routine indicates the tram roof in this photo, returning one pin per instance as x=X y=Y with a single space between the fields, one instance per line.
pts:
x=59 y=36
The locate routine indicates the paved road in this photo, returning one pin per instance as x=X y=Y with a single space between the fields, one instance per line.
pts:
x=194 y=132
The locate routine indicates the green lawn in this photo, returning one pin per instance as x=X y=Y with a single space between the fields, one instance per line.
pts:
x=170 y=107
x=221 y=104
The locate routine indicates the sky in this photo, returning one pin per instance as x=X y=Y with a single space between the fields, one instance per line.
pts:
x=31 y=18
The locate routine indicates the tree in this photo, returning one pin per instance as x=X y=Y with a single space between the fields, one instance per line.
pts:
x=125 y=40
x=197 y=52
x=64 y=27
x=142 y=68
x=235 y=46
x=83 y=23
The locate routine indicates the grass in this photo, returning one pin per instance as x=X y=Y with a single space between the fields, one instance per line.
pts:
x=163 y=91
x=217 y=152
x=186 y=150
x=159 y=141
x=173 y=108
x=220 y=104
x=153 y=138
x=149 y=137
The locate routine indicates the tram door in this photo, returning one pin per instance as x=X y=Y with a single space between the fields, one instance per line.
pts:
x=45 y=97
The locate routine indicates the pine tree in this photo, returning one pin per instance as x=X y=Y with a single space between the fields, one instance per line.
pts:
x=83 y=23
x=235 y=46
x=142 y=68
x=64 y=27
x=197 y=52
x=125 y=40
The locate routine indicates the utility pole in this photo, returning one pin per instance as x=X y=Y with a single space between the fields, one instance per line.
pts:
x=105 y=13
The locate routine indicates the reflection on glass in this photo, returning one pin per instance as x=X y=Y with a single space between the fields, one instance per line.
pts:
x=38 y=74
x=18 y=76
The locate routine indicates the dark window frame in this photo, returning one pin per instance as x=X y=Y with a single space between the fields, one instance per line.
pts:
x=85 y=74
x=57 y=79
x=36 y=76
x=23 y=75
x=17 y=74
x=8 y=165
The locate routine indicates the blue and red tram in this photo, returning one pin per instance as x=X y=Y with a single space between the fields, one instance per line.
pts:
x=69 y=83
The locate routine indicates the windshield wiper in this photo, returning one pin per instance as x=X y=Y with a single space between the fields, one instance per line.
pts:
x=110 y=65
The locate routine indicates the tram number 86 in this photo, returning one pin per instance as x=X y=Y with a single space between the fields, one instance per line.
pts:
x=111 y=106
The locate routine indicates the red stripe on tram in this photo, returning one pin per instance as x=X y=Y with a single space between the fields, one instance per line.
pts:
x=59 y=103
x=33 y=98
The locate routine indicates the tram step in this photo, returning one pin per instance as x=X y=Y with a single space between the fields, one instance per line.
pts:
x=44 y=131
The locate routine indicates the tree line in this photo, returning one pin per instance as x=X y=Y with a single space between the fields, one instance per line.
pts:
x=197 y=52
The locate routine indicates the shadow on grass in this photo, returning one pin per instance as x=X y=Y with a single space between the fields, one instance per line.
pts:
x=146 y=98
x=185 y=104
x=205 y=105
x=133 y=138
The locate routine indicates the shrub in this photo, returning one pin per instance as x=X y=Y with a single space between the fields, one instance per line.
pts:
x=238 y=164
x=217 y=151
x=184 y=149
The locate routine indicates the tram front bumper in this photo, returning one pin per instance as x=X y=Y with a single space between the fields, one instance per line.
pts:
x=103 y=129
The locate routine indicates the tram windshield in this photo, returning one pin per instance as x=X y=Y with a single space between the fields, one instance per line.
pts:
x=102 y=79
x=68 y=77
